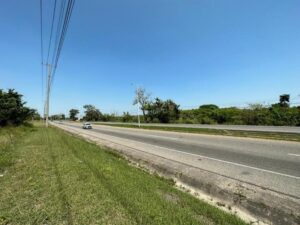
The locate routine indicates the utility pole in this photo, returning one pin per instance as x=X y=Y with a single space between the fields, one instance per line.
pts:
x=44 y=115
x=48 y=93
x=139 y=119
x=138 y=104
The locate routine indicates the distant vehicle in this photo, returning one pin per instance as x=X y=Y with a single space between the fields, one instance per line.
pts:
x=87 y=126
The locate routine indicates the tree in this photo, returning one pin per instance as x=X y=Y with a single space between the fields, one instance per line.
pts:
x=73 y=114
x=142 y=98
x=162 y=111
x=12 y=108
x=92 y=113
x=209 y=107
x=284 y=100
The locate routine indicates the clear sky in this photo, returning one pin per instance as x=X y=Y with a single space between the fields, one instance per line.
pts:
x=224 y=52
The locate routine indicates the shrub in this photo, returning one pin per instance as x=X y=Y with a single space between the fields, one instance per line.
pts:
x=12 y=108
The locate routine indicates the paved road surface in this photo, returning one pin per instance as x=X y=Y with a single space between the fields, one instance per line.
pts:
x=267 y=163
x=280 y=129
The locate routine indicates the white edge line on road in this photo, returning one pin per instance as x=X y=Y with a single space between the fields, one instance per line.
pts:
x=291 y=154
x=223 y=161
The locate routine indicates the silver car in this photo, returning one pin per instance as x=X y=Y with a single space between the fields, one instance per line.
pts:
x=87 y=126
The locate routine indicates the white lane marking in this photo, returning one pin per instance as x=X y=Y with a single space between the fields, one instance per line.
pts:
x=228 y=162
x=223 y=161
x=156 y=136
x=291 y=154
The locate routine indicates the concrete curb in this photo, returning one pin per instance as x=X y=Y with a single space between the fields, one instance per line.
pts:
x=264 y=205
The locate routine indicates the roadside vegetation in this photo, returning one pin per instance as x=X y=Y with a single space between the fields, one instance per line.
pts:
x=8 y=138
x=167 y=111
x=55 y=178
x=13 y=110
x=233 y=133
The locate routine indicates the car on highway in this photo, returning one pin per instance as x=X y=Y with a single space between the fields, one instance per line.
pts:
x=87 y=126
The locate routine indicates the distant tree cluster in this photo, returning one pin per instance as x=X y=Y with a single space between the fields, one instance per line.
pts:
x=167 y=111
x=58 y=117
x=278 y=114
x=92 y=113
x=157 y=111
x=13 y=110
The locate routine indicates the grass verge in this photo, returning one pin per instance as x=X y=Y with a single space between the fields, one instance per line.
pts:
x=60 y=179
x=8 y=138
x=234 y=133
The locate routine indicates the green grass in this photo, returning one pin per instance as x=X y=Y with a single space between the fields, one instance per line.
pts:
x=234 y=133
x=8 y=138
x=54 y=178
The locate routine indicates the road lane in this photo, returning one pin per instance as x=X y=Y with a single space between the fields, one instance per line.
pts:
x=268 y=163
x=280 y=163
x=277 y=129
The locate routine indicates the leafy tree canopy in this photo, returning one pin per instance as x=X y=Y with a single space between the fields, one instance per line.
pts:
x=12 y=109
x=162 y=111
x=73 y=114
x=92 y=113
x=209 y=107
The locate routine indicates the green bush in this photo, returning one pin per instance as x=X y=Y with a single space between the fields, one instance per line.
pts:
x=12 y=108
x=159 y=111
x=275 y=115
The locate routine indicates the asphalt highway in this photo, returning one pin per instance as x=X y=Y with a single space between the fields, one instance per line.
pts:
x=276 y=129
x=270 y=164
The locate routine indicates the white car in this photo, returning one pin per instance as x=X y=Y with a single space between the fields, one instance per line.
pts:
x=87 y=126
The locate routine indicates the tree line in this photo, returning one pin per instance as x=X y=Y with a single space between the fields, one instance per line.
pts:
x=156 y=111
x=167 y=111
x=13 y=111
x=256 y=114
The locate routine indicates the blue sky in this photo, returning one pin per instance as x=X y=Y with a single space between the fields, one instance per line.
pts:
x=226 y=52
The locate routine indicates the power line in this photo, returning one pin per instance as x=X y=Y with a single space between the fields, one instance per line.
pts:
x=61 y=30
x=69 y=11
x=52 y=24
x=42 y=46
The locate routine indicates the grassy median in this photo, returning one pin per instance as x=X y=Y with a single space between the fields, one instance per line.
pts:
x=50 y=177
x=234 y=133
